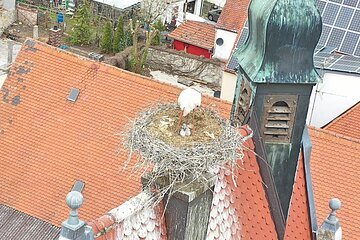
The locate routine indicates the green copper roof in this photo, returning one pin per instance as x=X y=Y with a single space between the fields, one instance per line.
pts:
x=282 y=38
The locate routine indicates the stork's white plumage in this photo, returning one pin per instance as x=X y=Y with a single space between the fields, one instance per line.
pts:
x=188 y=100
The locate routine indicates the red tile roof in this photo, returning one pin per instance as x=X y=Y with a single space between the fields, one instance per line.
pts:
x=251 y=201
x=196 y=33
x=241 y=209
x=48 y=142
x=298 y=225
x=233 y=15
x=335 y=165
x=347 y=123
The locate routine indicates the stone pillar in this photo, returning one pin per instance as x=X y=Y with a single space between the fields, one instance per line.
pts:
x=10 y=51
x=36 y=32
x=55 y=35
x=73 y=228
x=187 y=211
x=331 y=229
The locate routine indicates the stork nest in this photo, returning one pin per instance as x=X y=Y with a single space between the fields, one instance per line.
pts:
x=153 y=140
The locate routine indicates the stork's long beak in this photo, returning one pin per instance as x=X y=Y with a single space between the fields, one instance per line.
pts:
x=180 y=120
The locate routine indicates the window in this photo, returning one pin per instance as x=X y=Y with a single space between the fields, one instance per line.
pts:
x=73 y=95
x=243 y=104
x=279 y=117
x=219 y=41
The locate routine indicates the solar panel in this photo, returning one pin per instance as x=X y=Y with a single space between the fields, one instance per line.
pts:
x=321 y=6
x=336 y=37
x=336 y=1
x=343 y=68
x=355 y=23
x=345 y=14
x=318 y=48
x=243 y=36
x=330 y=13
x=350 y=42
x=357 y=51
x=324 y=35
x=351 y=3
x=340 y=24
x=233 y=63
x=340 y=31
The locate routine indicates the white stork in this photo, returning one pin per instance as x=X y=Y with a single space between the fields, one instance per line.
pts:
x=188 y=100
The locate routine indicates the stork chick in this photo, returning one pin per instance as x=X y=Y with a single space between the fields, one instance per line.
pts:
x=185 y=130
x=188 y=100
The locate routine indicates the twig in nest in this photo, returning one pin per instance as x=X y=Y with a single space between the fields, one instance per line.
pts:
x=181 y=163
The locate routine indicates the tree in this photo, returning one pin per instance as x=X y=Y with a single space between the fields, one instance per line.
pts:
x=119 y=37
x=160 y=27
x=140 y=51
x=152 y=10
x=106 y=39
x=81 y=32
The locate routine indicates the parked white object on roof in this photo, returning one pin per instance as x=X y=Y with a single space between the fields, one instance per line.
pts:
x=121 y=4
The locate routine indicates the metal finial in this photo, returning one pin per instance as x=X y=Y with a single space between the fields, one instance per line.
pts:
x=74 y=200
x=334 y=204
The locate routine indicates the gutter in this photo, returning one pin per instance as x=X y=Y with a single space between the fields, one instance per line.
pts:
x=307 y=146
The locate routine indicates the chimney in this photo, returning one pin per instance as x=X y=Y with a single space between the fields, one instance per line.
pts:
x=10 y=51
x=275 y=78
x=55 y=36
x=36 y=32
x=187 y=209
x=331 y=229
x=74 y=228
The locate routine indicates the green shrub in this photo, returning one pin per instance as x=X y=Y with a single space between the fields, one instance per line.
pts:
x=158 y=25
x=81 y=32
x=119 y=36
x=106 y=40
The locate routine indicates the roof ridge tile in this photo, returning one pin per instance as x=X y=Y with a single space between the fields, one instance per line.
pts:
x=335 y=134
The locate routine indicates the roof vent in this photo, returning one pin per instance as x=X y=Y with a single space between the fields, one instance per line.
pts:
x=78 y=186
x=74 y=93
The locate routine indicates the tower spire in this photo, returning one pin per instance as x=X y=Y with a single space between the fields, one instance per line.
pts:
x=275 y=79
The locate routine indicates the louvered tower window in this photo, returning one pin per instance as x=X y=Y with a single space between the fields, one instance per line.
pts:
x=279 y=118
x=243 y=103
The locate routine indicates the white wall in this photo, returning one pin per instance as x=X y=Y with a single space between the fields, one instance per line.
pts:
x=8 y=4
x=180 y=5
x=220 y=3
x=4 y=50
x=198 y=7
x=170 y=11
x=223 y=52
x=336 y=94
x=228 y=85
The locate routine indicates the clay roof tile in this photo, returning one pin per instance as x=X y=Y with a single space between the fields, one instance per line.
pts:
x=48 y=142
x=233 y=15
x=199 y=34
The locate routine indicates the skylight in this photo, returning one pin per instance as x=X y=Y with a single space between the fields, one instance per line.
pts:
x=74 y=93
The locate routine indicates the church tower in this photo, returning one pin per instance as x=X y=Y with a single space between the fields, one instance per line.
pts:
x=275 y=79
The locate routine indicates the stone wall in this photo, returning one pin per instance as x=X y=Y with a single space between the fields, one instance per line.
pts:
x=6 y=19
x=27 y=16
x=179 y=63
